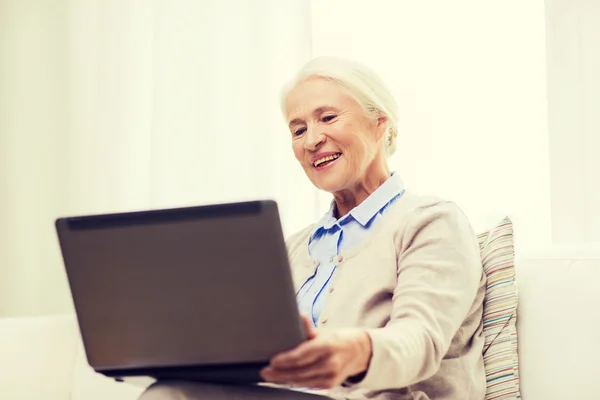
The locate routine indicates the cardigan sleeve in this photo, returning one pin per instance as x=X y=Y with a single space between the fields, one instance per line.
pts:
x=439 y=273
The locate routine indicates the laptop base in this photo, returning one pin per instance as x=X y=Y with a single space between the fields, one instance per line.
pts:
x=231 y=374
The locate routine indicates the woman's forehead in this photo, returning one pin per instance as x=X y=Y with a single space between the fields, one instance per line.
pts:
x=314 y=95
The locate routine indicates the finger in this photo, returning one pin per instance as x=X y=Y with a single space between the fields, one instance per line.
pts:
x=305 y=354
x=324 y=379
x=287 y=374
x=308 y=327
x=322 y=383
x=313 y=381
x=324 y=368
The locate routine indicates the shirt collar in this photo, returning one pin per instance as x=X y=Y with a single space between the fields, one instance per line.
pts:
x=366 y=210
x=385 y=193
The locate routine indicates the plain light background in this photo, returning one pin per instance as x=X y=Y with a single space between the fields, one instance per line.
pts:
x=573 y=55
x=470 y=79
x=116 y=105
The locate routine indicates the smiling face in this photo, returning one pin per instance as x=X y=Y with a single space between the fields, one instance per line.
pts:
x=339 y=147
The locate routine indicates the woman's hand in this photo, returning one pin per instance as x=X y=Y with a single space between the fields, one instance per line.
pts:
x=324 y=361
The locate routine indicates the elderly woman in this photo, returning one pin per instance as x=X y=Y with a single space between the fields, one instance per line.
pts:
x=390 y=284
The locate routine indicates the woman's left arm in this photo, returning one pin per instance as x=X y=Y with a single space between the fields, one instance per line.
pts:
x=439 y=273
x=439 y=276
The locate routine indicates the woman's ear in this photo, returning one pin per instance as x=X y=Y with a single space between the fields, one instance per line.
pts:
x=381 y=126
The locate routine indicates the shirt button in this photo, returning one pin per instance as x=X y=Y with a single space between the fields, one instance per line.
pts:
x=340 y=259
x=330 y=289
x=330 y=259
x=324 y=320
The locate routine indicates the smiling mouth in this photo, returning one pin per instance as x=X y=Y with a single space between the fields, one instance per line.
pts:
x=321 y=162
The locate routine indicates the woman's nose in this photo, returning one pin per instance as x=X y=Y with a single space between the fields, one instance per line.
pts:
x=314 y=140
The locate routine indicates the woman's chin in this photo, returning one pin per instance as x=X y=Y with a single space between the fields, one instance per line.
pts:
x=329 y=180
x=330 y=185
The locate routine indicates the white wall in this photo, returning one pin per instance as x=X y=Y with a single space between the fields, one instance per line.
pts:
x=469 y=76
x=33 y=109
x=176 y=103
x=111 y=105
x=573 y=48
x=115 y=105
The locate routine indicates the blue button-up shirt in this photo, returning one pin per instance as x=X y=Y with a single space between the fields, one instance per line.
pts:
x=332 y=236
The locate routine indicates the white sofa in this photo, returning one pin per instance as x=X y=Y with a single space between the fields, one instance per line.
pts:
x=559 y=350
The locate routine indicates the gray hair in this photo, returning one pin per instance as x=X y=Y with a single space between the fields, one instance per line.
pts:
x=363 y=84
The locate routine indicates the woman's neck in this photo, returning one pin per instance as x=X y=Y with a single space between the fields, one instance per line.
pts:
x=346 y=200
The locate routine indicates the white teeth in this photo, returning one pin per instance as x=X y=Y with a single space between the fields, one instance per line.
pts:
x=325 y=159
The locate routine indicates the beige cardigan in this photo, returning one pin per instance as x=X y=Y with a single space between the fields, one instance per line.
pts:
x=417 y=286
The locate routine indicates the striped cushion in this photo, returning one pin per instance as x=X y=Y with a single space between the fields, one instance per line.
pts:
x=500 y=313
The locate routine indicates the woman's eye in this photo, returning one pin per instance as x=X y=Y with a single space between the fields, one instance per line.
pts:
x=299 y=131
x=328 y=118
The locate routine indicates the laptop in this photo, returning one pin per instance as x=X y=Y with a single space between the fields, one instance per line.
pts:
x=197 y=293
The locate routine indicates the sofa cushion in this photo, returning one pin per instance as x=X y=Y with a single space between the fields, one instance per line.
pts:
x=500 y=313
x=43 y=358
x=558 y=324
x=37 y=357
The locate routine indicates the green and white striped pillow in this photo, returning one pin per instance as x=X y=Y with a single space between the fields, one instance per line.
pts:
x=500 y=355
